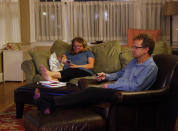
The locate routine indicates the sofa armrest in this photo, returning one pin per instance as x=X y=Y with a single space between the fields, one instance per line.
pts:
x=28 y=67
x=141 y=96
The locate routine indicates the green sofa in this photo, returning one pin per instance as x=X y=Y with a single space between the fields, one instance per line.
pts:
x=109 y=57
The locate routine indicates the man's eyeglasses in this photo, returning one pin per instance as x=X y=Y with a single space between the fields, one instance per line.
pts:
x=137 y=47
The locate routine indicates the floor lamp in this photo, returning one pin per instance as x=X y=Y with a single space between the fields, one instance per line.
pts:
x=170 y=9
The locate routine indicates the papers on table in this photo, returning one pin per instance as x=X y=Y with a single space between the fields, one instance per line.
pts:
x=53 y=84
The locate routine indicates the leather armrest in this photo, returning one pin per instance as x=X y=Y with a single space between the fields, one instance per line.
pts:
x=29 y=69
x=141 y=96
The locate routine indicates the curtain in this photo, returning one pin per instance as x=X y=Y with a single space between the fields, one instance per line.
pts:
x=9 y=21
x=49 y=19
x=98 y=20
x=151 y=17
x=111 y=20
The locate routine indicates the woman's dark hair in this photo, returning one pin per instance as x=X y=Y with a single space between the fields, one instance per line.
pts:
x=147 y=42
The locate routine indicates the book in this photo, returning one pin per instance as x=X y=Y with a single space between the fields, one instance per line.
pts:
x=53 y=84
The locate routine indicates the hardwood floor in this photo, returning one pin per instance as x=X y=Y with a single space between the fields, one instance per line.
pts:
x=7 y=93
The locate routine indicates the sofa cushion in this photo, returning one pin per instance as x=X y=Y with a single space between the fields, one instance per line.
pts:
x=60 y=47
x=134 y=32
x=161 y=47
x=125 y=56
x=40 y=58
x=107 y=57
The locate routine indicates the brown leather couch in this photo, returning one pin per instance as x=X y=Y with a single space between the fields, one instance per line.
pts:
x=152 y=110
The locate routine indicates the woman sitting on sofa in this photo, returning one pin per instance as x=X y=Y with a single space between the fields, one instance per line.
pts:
x=79 y=62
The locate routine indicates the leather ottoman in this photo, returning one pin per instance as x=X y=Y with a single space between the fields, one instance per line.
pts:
x=75 y=119
x=24 y=94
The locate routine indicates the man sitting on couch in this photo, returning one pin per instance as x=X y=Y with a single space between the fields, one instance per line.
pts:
x=139 y=74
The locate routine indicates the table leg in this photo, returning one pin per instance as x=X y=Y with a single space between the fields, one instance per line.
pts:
x=19 y=110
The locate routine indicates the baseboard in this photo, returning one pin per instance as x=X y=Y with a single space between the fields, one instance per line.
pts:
x=1 y=77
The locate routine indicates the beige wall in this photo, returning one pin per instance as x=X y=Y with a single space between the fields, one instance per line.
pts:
x=1 y=70
x=25 y=26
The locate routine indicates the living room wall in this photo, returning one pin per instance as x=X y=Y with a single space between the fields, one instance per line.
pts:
x=25 y=30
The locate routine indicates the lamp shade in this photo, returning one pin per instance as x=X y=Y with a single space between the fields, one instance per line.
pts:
x=170 y=8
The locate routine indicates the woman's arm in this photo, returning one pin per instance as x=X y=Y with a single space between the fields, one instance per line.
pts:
x=90 y=64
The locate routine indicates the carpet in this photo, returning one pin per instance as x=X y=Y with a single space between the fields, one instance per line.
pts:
x=8 y=120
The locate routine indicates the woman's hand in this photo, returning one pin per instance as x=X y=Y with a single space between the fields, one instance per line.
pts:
x=73 y=66
x=63 y=58
x=90 y=64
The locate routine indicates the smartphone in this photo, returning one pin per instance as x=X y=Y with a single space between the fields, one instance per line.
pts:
x=69 y=61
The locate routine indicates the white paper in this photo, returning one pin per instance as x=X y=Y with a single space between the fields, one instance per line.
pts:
x=53 y=84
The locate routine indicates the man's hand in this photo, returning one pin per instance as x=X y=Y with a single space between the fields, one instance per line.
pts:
x=100 y=76
x=104 y=86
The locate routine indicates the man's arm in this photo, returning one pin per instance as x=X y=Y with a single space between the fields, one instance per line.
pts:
x=115 y=76
x=142 y=81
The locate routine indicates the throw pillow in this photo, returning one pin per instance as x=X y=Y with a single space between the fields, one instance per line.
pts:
x=134 y=32
x=54 y=63
x=60 y=47
x=107 y=57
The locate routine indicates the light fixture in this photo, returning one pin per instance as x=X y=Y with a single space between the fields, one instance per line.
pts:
x=170 y=9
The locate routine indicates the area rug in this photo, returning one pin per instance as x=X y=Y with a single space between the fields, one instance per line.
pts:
x=8 y=120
